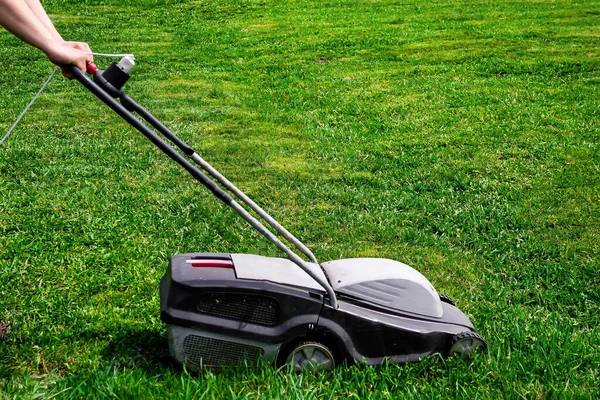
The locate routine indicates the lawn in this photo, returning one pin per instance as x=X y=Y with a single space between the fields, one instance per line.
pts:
x=459 y=137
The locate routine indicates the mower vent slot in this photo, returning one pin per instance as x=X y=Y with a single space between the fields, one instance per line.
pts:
x=242 y=307
x=209 y=352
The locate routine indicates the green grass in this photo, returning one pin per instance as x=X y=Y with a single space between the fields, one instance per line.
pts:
x=460 y=137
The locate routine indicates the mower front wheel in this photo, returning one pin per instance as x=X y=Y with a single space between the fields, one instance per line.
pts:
x=465 y=344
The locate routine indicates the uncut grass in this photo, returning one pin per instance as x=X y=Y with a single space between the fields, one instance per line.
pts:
x=460 y=138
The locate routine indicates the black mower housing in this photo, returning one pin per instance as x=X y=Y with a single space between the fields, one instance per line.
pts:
x=214 y=300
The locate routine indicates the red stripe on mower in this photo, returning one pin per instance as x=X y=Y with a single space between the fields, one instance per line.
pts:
x=210 y=263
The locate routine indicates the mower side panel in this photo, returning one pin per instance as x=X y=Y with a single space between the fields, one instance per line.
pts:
x=214 y=316
x=370 y=336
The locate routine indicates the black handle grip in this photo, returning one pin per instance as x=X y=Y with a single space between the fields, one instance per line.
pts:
x=153 y=137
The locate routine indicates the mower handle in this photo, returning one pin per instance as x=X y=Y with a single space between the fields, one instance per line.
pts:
x=153 y=137
x=133 y=106
x=122 y=110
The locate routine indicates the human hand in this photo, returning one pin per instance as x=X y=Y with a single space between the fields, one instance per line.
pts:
x=70 y=53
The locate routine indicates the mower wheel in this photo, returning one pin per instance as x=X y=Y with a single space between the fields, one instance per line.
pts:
x=466 y=343
x=310 y=356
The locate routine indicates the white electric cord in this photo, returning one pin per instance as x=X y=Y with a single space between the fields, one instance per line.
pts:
x=44 y=87
x=111 y=55
x=29 y=105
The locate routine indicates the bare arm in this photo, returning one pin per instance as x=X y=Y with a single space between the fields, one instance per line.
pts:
x=18 y=18
x=36 y=7
x=27 y=20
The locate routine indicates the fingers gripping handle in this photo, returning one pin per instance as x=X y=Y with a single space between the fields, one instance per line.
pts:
x=153 y=137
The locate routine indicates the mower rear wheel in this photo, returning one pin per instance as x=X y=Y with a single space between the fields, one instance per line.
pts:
x=310 y=356
x=465 y=344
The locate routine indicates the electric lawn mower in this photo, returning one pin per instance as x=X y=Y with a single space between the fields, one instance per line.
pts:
x=226 y=309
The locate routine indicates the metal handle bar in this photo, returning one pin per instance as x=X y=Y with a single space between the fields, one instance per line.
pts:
x=199 y=176
x=132 y=105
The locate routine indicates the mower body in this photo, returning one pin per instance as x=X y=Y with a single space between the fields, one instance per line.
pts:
x=227 y=309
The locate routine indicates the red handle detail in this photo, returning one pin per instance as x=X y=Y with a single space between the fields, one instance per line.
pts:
x=91 y=68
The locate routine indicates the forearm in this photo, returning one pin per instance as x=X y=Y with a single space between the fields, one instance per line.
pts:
x=18 y=18
x=36 y=7
x=27 y=20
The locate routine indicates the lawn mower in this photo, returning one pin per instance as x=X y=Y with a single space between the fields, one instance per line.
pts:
x=223 y=309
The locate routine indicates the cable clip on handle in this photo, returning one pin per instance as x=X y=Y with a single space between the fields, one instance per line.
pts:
x=113 y=78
